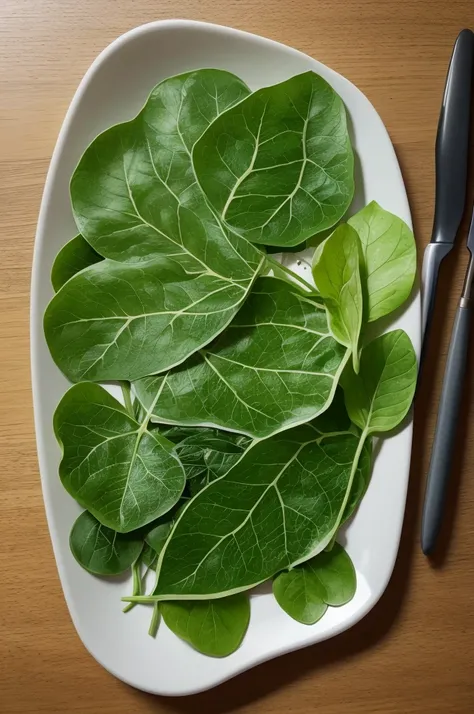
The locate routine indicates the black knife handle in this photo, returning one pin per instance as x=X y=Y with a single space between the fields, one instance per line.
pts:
x=452 y=141
x=446 y=426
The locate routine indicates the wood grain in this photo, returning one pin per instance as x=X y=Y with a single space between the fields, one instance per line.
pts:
x=414 y=653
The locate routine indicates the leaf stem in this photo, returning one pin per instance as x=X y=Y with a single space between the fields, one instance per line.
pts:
x=355 y=465
x=136 y=584
x=127 y=398
x=155 y=621
x=274 y=264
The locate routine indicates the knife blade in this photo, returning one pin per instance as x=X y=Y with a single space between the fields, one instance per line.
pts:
x=452 y=143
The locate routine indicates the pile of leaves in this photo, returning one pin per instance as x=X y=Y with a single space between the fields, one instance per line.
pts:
x=250 y=395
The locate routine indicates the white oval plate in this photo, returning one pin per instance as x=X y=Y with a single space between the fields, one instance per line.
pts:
x=113 y=90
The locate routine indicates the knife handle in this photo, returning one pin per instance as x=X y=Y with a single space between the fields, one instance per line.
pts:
x=452 y=141
x=445 y=434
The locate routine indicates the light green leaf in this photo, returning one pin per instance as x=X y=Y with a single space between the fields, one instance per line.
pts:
x=101 y=550
x=336 y=273
x=276 y=366
x=389 y=259
x=213 y=627
x=306 y=591
x=73 y=257
x=175 y=276
x=123 y=474
x=276 y=507
x=278 y=166
x=379 y=397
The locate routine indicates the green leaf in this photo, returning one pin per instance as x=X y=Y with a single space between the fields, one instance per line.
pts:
x=379 y=397
x=156 y=538
x=213 y=627
x=71 y=259
x=278 y=166
x=149 y=557
x=101 y=550
x=389 y=259
x=208 y=454
x=337 y=276
x=276 y=507
x=276 y=366
x=175 y=276
x=306 y=591
x=125 y=475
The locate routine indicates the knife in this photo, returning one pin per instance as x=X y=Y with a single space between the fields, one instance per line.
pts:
x=452 y=143
x=448 y=412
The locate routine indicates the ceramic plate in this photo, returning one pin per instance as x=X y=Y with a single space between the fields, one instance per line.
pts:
x=113 y=90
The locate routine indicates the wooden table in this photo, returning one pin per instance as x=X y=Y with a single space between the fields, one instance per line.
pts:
x=414 y=653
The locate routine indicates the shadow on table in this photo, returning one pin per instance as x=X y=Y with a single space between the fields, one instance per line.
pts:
x=278 y=673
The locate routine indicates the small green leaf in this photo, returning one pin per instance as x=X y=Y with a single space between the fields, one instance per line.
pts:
x=306 y=591
x=278 y=166
x=379 y=397
x=213 y=627
x=123 y=474
x=336 y=273
x=71 y=259
x=208 y=454
x=99 y=549
x=389 y=259
x=156 y=538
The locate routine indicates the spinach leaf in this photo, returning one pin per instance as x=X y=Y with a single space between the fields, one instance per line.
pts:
x=157 y=537
x=213 y=627
x=306 y=591
x=379 y=397
x=209 y=455
x=276 y=507
x=73 y=257
x=149 y=558
x=125 y=475
x=278 y=166
x=101 y=550
x=175 y=276
x=276 y=366
x=337 y=277
x=389 y=259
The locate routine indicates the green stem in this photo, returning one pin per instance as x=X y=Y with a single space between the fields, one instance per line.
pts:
x=136 y=585
x=355 y=466
x=155 y=621
x=278 y=266
x=127 y=398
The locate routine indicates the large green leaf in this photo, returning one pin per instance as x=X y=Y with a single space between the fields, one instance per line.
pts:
x=101 y=550
x=389 y=259
x=278 y=166
x=125 y=475
x=276 y=366
x=175 y=276
x=276 y=507
x=379 y=397
x=213 y=627
x=73 y=257
x=337 y=276
x=306 y=591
